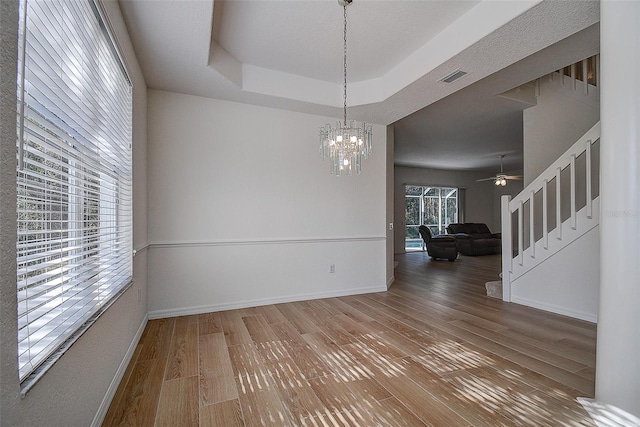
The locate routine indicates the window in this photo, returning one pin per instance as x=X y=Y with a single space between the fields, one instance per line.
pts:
x=74 y=244
x=435 y=207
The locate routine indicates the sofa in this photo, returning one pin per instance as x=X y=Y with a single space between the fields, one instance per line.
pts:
x=474 y=239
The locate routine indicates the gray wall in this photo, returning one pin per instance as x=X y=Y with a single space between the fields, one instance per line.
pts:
x=562 y=115
x=77 y=389
x=482 y=198
x=239 y=217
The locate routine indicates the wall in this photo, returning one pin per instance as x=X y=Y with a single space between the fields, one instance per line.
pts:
x=77 y=390
x=390 y=208
x=553 y=287
x=562 y=115
x=243 y=212
x=479 y=203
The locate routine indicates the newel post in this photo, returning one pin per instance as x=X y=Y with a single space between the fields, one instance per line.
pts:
x=507 y=258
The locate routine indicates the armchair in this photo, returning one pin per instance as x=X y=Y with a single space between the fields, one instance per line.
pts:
x=440 y=246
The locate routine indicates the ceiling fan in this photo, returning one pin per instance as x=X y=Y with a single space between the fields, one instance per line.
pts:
x=501 y=179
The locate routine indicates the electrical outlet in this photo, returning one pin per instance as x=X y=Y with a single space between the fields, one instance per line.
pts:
x=332 y=268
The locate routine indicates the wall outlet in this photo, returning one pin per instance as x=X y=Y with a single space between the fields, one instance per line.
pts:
x=332 y=268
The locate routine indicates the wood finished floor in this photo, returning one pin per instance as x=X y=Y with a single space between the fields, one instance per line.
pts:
x=433 y=350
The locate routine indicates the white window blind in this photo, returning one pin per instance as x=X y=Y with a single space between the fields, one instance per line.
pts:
x=74 y=250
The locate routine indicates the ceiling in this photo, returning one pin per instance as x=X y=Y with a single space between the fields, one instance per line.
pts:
x=288 y=54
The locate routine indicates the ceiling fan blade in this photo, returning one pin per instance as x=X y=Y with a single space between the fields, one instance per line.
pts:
x=500 y=179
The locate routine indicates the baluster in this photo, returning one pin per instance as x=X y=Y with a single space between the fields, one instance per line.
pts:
x=588 y=178
x=558 y=213
x=545 y=232
x=520 y=232
x=584 y=76
x=532 y=238
x=573 y=191
x=598 y=75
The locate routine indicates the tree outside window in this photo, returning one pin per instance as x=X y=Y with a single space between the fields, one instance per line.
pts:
x=435 y=207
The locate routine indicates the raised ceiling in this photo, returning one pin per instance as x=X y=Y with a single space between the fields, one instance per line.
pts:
x=288 y=54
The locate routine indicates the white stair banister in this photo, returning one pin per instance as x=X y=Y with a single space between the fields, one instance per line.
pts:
x=507 y=261
x=579 y=222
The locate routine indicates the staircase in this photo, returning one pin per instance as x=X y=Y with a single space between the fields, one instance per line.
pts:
x=550 y=240
x=550 y=231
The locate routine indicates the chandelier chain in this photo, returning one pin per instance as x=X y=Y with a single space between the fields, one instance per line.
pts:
x=345 y=64
x=347 y=144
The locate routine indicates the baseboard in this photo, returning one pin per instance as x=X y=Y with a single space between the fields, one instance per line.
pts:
x=390 y=281
x=186 y=311
x=588 y=317
x=115 y=382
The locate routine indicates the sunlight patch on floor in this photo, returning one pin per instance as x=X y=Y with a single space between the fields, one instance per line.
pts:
x=606 y=415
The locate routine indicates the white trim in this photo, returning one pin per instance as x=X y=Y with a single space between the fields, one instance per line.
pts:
x=588 y=317
x=186 y=311
x=115 y=382
x=201 y=243
x=141 y=249
x=390 y=281
x=32 y=379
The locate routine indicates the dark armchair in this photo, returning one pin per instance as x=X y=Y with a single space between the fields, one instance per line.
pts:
x=440 y=246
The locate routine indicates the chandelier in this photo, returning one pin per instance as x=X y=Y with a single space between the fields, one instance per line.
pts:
x=347 y=144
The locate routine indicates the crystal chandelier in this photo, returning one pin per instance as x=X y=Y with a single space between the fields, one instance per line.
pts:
x=346 y=144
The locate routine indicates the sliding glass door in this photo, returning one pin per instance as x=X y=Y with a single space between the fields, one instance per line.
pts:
x=435 y=207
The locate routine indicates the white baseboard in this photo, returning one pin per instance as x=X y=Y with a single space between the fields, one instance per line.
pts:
x=115 y=382
x=390 y=281
x=589 y=317
x=186 y=311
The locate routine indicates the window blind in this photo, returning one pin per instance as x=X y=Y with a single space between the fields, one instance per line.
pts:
x=74 y=227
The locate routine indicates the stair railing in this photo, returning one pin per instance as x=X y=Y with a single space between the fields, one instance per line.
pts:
x=517 y=257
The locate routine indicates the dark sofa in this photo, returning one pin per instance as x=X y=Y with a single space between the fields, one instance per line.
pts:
x=475 y=239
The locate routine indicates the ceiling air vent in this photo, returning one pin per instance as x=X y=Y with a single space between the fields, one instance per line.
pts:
x=453 y=76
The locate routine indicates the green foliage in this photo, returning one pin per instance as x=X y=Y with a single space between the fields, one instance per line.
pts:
x=435 y=207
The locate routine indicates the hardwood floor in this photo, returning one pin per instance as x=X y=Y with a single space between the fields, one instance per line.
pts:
x=433 y=350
